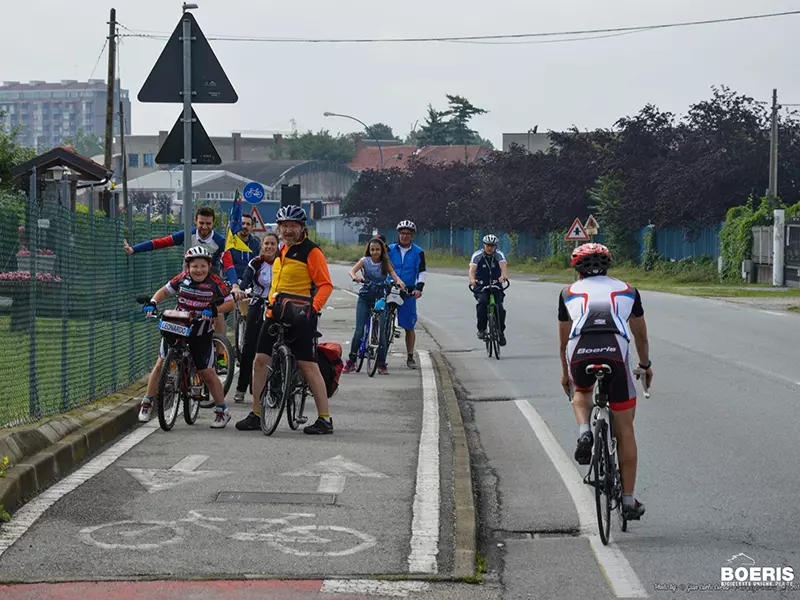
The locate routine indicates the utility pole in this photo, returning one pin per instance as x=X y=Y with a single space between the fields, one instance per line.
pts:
x=124 y=163
x=772 y=192
x=188 y=210
x=112 y=61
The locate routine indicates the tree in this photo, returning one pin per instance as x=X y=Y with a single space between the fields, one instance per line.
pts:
x=320 y=146
x=435 y=130
x=11 y=155
x=86 y=143
x=461 y=112
x=381 y=131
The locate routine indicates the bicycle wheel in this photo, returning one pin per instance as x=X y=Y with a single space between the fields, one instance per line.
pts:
x=495 y=334
x=169 y=389
x=238 y=337
x=296 y=405
x=490 y=333
x=228 y=354
x=603 y=481
x=374 y=344
x=277 y=390
x=363 y=347
x=391 y=324
x=191 y=404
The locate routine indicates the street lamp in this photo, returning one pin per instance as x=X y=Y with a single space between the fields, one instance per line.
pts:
x=377 y=141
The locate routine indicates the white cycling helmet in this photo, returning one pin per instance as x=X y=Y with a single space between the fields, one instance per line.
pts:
x=406 y=225
x=491 y=240
x=197 y=252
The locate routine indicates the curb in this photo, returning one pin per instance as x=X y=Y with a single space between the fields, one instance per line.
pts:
x=465 y=517
x=41 y=456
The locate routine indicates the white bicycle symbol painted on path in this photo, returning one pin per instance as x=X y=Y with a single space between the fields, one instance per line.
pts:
x=299 y=540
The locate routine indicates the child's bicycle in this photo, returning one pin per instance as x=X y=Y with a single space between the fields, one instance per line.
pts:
x=374 y=338
x=179 y=381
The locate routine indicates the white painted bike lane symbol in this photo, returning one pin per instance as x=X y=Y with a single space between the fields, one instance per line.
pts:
x=298 y=540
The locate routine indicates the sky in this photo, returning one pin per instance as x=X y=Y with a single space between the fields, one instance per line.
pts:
x=588 y=84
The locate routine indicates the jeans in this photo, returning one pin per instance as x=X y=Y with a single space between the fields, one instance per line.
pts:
x=255 y=317
x=483 y=308
x=363 y=307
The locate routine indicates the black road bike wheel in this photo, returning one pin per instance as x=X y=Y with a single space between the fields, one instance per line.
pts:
x=276 y=391
x=375 y=335
x=362 y=355
x=169 y=390
x=191 y=405
x=490 y=333
x=296 y=405
x=495 y=334
x=603 y=482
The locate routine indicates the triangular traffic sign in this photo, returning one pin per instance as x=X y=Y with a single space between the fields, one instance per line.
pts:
x=203 y=150
x=591 y=223
x=258 y=222
x=576 y=232
x=210 y=84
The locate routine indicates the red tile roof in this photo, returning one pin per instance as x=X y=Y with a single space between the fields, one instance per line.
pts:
x=369 y=158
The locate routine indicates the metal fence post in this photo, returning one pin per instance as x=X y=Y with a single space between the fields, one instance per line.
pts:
x=91 y=302
x=34 y=409
x=61 y=236
x=114 y=306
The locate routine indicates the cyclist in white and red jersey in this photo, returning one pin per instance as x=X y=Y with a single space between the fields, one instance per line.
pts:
x=597 y=315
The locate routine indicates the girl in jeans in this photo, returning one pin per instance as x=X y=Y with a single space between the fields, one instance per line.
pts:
x=375 y=267
x=258 y=275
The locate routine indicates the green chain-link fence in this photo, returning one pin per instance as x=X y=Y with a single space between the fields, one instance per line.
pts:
x=72 y=331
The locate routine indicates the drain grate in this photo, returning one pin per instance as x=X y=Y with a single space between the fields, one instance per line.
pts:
x=276 y=498
x=535 y=535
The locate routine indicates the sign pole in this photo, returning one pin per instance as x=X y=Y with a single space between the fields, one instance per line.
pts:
x=188 y=209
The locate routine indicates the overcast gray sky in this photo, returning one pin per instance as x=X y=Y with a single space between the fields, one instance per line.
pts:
x=586 y=83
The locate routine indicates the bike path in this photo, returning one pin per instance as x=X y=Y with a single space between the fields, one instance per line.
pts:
x=191 y=503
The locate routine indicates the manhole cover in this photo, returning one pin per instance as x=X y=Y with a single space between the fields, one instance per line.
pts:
x=276 y=498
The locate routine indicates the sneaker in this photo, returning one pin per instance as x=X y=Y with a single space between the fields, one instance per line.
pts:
x=221 y=418
x=145 y=411
x=350 y=366
x=411 y=363
x=633 y=513
x=238 y=397
x=251 y=422
x=502 y=339
x=320 y=427
x=583 y=452
x=383 y=370
x=481 y=334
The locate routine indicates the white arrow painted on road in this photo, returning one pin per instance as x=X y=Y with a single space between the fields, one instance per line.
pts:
x=155 y=480
x=333 y=473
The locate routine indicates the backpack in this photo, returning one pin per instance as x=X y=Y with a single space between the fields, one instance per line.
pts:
x=329 y=359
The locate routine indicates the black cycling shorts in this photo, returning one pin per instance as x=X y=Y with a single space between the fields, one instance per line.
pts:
x=300 y=340
x=603 y=348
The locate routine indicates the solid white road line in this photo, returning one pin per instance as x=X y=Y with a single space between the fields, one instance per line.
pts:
x=30 y=513
x=425 y=522
x=772 y=312
x=189 y=463
x=618 y=571
x=396 y=589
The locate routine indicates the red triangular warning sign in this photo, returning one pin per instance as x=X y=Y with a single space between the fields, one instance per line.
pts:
x=258 y=222
x=576 y=232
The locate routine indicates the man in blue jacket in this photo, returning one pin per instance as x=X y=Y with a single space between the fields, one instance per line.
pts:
x=241 y=258
x=409 y=263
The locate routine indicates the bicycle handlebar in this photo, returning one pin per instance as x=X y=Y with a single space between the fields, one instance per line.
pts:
x=491 y=286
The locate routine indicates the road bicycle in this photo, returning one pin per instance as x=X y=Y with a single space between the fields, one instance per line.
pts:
x=178 y=382
x=604 y=475
x=373 y=338
x=493 y=332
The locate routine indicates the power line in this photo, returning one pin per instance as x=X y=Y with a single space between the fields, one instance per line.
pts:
x=102 y=50
x=471 y=38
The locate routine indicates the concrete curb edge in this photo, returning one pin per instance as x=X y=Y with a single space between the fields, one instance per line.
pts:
x=464 y=503
x=37 y=472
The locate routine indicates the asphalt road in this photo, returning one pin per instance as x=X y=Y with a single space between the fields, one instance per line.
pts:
x=717 y=450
